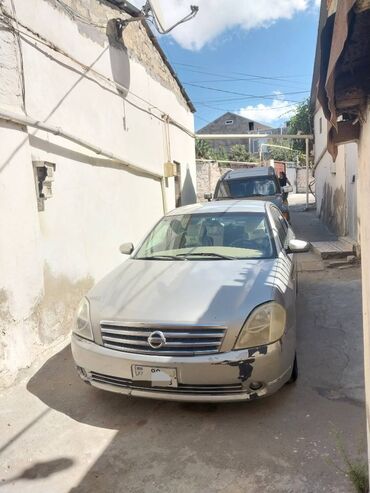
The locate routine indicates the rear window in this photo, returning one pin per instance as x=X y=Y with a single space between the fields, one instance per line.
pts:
x=254 y=186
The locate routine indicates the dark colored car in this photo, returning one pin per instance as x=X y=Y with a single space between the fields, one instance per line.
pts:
x=252 y=183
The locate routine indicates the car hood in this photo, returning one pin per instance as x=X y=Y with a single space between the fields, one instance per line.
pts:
x=206 y=292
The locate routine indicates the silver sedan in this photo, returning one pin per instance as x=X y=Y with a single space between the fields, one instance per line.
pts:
x=202 y=310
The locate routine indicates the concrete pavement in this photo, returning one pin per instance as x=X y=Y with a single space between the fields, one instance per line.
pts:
x=59 y=435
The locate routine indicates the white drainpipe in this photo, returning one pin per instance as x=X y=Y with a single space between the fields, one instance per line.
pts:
x=31 y=122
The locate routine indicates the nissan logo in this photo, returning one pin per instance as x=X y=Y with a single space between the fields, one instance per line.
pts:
x=156 y=340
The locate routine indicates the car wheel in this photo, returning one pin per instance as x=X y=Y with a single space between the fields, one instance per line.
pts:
x=294 y=375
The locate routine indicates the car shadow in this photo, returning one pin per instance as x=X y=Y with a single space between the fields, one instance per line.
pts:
x=153 y=437
x=58 y=385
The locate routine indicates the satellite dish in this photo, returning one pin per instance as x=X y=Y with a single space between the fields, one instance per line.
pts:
x=154 y=7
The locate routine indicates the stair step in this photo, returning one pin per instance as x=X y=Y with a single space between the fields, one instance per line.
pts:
x=333 y=249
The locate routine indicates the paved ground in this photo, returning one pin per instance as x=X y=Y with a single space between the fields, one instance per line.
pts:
x=59 y=435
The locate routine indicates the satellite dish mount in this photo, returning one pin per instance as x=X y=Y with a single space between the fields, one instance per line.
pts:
x=152 y=11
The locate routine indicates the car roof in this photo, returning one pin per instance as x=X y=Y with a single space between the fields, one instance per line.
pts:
x=233 y=174
x=244 y=205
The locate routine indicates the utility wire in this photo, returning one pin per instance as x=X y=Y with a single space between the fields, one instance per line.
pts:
x=39 y=39
x=239 y=99
x=77 y=15
x=253 y=76
x=269 y=96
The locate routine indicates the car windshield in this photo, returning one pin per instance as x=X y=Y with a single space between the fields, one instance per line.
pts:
x=215 y=236
x=254 y=186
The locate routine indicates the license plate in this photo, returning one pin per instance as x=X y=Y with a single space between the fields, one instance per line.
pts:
x=158 y=377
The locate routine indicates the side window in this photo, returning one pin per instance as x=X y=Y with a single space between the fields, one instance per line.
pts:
x=221 y=191
x=281 y=225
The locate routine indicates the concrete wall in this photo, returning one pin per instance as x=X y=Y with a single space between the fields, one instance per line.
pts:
x=364 y=207
x=336 y=196
x=207 y=177
x=50 y=258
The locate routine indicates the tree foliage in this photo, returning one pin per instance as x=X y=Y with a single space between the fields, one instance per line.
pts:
x=300 y=122
x=238 y=152
x=203 y=149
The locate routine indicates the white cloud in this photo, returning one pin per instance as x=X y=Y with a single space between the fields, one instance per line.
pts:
x=275 y=113
x=217 y=16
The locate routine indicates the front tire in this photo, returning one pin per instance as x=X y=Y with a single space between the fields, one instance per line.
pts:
x=294 y=375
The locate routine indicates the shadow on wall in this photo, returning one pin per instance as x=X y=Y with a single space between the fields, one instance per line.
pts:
x=188 y=195
x=119 y=60
x=333 y=209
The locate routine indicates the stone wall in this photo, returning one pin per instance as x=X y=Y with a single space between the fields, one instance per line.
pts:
x=208 y=173
x=301 y=179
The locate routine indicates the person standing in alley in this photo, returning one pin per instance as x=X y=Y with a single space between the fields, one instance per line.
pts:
x=283 y=180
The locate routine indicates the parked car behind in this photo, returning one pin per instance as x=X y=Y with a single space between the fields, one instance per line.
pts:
x=259 y=183
x=202 y=310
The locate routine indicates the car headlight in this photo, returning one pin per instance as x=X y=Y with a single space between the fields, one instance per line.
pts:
x=83 y=324
x=265 y=324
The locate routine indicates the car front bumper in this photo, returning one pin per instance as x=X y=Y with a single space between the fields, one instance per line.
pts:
x=221 y=377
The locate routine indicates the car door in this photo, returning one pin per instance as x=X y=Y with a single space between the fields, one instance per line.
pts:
x=285 y=268
x=284 y=233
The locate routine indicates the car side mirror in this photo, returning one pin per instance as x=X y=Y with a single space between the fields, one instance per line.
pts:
x=287 y=189
x=208 y=196
x=126 y=248
x=298 y=246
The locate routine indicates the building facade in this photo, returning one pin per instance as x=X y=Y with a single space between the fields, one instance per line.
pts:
x=231 y=123
x=335 y=182
x=114 y=119
x=342 y=86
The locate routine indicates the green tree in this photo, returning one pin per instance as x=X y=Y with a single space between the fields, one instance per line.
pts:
x=300 y=122
x=239 y=152
x=203 y=149
x=221 y=154
x=280 y=153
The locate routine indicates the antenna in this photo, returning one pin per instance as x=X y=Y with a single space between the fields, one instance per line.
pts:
x=152 y=9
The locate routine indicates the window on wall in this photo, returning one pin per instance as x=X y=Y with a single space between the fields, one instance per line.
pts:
x=320 y=125
x=251 y=125
x=229 y=122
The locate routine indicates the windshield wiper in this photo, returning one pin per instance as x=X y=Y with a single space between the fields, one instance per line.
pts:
x=160 y=257
x=205 y=254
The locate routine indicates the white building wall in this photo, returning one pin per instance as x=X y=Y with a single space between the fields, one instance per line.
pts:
x=364 y=205
x=50 y=258
x=336 y=183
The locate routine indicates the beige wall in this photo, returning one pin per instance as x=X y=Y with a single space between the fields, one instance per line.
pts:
x=50 y=258
x=364 y=205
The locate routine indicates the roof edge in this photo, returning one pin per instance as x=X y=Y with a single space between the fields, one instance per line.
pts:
x=135 y=12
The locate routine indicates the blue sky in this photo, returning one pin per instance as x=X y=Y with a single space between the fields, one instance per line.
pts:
x=273 y=39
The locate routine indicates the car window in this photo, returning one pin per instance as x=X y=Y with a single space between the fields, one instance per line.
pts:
x=281 y=225
x=254 y=186
x=230 y=234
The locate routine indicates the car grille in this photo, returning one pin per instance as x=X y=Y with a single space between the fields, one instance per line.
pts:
x=180 y=341
x=181 y=389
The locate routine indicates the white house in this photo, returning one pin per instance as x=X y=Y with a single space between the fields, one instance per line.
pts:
x=336 y=181
x=343 y=89
x=91 y=113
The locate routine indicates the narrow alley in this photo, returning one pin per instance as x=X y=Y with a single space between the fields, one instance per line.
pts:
x=79 y=439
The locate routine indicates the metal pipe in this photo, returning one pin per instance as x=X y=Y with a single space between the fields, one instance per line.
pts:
x=31 y=122
x=307 y=175
x=252 y=136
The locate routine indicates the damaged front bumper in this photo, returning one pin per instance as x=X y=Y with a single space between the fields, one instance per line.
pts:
x=233 y=376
